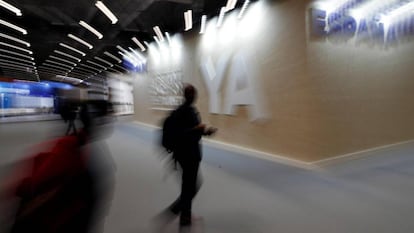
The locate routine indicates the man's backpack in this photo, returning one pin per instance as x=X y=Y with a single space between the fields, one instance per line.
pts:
x=169 y=132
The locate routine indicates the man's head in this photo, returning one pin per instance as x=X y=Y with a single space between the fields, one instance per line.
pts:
x=190 y=94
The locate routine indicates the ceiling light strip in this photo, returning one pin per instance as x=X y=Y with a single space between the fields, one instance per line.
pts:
x=104 y=61
x=15 y=39
x=17 y=63
x=16 y=47
x=231 y=4
x=101 y=6
x=137 y=54
x=90 y=67
x=67 y=55
x=112 y=56
x=113 y=70
x=122 y=68
x=57 y=63
x=17 y=59
x=96 y=64
x=14 y=65
x=158 y=32
x=245 y=4
x=91 y=29
x=203 y=24
x=221 y=17
x=62 y=60
x=80 y=41
x=11 y=8
x=12 y=26
x=17 y=54
x=73 y=49
x=140 y=45
x=85 y=70
x=56 y=67
x=188 y=18
x=168 y=37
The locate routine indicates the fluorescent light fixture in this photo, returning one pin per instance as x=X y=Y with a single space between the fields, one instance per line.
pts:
x=53 y=67
x=96 y=64
x=73 y=49
x=168 y=37
x=15 y=47
x=138 y=55
x=231 y=4
x=12 y=26
x=57 y=63
x=63 y=60
x=91 y=29
x=138 y=43
x=158 y=32
x=188 y=18
x=7 y=65
x=17 y=54
x=106 y=11
x=17 y=59
x=56 y=67
x=146 y=43
x=156 y=40
x=90 y=67
x=17 y=63
x=67 y=55
x=221 y=17
x=130 y=58
x=85 y=70
x=11 y=8
x=121 y=49
x=15 y=39
x=112 y=56
x=80 y=41
x=115 y=71
x=203 y=24
x=122 y=68
x=104 y=61
x=245 y=4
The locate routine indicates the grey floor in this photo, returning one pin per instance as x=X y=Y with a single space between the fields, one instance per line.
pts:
x=244 y=194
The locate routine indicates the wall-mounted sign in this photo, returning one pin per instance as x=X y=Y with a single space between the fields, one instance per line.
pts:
x=377 y=21
x=165 y=90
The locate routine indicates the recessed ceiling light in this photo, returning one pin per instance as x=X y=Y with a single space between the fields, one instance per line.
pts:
x=11 y=8
x=80 y=41
x=91 y=29
x=12 y=26
x=15 y=39
x=73 y=49
x=101 y=6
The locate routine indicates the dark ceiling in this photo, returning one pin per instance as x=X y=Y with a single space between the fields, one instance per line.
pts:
x=48 y=23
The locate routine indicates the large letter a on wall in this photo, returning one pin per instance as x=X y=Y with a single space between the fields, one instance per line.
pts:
x=241 y=88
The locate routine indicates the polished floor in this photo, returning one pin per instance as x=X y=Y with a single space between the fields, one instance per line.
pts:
x=243 y=194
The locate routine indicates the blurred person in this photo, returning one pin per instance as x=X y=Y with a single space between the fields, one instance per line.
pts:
x=187 y=152
x=68 y=111
x=69 y=187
